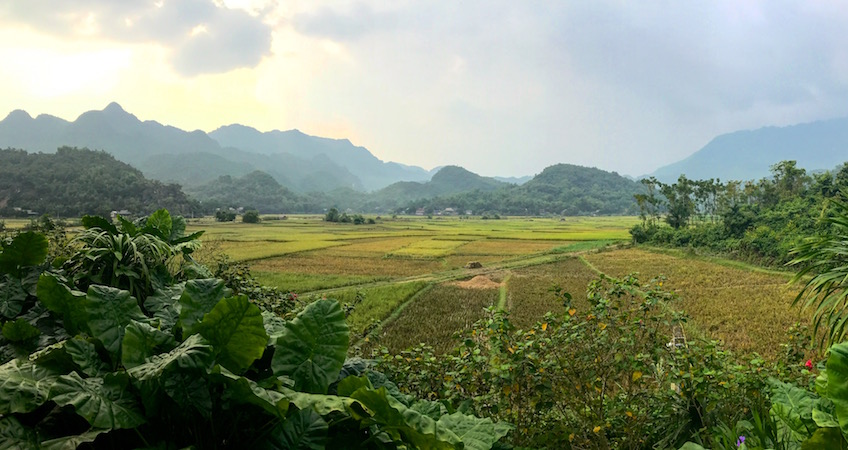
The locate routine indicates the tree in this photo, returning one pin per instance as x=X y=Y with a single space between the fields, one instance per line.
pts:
x=225 y=216
x=332 y=215
x=251 y=216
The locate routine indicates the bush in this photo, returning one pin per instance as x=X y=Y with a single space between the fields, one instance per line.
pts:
x=225 y=216
x=251 y=216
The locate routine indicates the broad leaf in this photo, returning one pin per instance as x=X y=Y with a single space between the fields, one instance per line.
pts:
x=793 y=407
x=161 y=221
x=351 y=384
x=189 y=390
x=12 y=296
x=475 y=433
x=164 y=305
x=104 y=403
x=178 y=227
x=274 y=324
x=60 y=299
x=691 y=446
x=25 y=249
x=324 y=404
x=127 y=226
x=84 y=355
x=24 y=386
x=108 y=312
x=235 y=328
x=245 y=391
x=72 y=442
x=405 y=423
x=302 y=430
x=825 y=438
x=837 y=383
x=15 y=436
x=19 y=330
x=98 y=222
x=198 y=298
x=312 y=348
x=142 y=341
x=194 y=353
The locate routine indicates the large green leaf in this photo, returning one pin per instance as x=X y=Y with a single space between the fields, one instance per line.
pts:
x=19 y=330
x=164 y=305
x=25 y=249
x=235 y=328
x=323 y=404
x=194 y=353
x=189 y=390
x=15 y=436
x=405 y=423
x=274 y=324
x=108 y=312
x=793 y=407
x=104 y=402
x=98 y=222
x=72 y=442
x=24 y=386
x=475 y=433
x=12 y=296
x=302 y=430
x=837 y=383
x=142 y=341
x=825 y=438
x=67 y=303
x=245 y=391
x=84 y=355
x=161 y=221
x=312 y=347
x=198 y=298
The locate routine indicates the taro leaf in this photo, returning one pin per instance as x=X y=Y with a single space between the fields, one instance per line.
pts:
x=404 y=423
x=194 y=353
x=178 y=227
x=198 y=298
x=793 y=408
x=103 y=402
x=824 y=419
x=84 y=355
x=825 y=438
x=274 y=324
x=26 y=249
x=60 y=299
x=475 y=433
x=235 y=328
x=691 y=446
x=312 y=348
x=243 y=390
x=24 y=386
x=433 y=410
x=303 y=429
x=12 y=296
x=188 y=389
x=161 y=222
x=323 y=404
x=821 y=384
x=20 y=330
x=109 y=311
x=127 y=226
x=142 y=341
x=164 y=304
x=54 y=358
x=378 y=380
x=99 y=222
x=15 y=436
x=837 y=383
x=72 y=442
x=351 y=384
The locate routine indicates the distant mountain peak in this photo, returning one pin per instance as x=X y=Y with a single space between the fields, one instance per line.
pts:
x=113 y=108
x=18 y=114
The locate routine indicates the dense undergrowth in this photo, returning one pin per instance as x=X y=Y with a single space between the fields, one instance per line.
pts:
x=118 y=339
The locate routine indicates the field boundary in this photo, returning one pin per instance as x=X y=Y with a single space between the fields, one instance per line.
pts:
x=394 y=314
x=722 y=261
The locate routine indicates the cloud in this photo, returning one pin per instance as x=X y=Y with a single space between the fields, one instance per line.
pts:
x=202 y=36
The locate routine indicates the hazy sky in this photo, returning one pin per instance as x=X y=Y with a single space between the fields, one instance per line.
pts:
x=499 y=87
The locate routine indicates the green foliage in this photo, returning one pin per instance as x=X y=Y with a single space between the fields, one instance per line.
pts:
x=225 y=216
x=193 y=365
x=251 y=216
x=73 y=182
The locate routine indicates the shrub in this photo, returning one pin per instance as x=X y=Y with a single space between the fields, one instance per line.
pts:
x=225 y=216
x=251 y=216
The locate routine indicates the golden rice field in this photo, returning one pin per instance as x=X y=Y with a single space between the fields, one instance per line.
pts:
x=408 y=270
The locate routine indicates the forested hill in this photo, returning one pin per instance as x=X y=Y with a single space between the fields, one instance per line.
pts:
x=73 y=182
x=256 y=190
x=564 y=189
x=449 y=180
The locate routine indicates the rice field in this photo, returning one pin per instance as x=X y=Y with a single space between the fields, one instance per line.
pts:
x=411 y=272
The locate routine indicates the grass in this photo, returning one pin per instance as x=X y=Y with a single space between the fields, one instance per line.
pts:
x=378 y=303
x=430 y=248
x=529 y=294
x=749 y=310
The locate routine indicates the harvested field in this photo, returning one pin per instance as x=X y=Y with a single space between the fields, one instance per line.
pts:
x=317 y=263
x=529 y=294
x=750 y=311
x=478 y=282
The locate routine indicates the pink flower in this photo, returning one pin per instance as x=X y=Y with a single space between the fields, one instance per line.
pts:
x=809 y=364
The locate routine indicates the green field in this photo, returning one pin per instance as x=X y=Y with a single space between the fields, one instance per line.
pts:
x=411 y=274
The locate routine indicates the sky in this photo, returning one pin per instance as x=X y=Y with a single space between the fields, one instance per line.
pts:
x=499 y=87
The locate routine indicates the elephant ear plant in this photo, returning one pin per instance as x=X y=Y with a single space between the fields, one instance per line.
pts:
x=191 y=365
